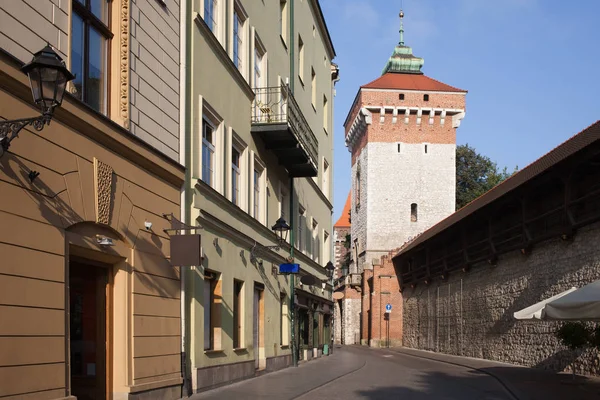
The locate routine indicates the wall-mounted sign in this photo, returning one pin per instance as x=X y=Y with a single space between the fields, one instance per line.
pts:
x=388 y=308
x=289 y=268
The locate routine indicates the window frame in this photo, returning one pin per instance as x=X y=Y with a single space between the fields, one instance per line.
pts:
x=301 y=59
x=242 y=17
x=90 y=20
x=313 y=88
x=211 y=147
x=236 y=172
x=238 y=314
x=211 y=309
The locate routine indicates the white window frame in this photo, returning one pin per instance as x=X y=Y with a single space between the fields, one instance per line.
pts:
x=210 y=147
x=313 y=88
x=242 y=62
x=316 y=242
x=325 y=178
x=326 y=114
x=301 y=59
x=283 y=21
x=217 y=25
x=216 y=122
x=301 y=226
x=259 y=188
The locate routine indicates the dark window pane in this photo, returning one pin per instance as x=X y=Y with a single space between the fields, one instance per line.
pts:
x=100 y=9
x=96 y=82
x=77 y=52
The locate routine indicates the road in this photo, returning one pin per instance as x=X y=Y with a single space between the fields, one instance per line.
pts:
x=354 y=373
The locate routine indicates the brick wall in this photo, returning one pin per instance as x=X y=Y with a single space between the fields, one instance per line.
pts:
x=380 y=287
x=472 y=313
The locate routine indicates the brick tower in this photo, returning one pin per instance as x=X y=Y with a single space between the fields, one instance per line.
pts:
x=401 y=132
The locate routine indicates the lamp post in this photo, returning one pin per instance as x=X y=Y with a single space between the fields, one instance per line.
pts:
x=48 y=77
x=330 y=268
x=281 y=228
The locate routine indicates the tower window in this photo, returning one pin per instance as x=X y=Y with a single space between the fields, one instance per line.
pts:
x=426 y=97
x=413 y=212
x=425 y=149
x=401 y=96
x=399 y=148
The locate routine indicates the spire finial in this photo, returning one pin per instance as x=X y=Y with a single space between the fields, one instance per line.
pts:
x=401 y=28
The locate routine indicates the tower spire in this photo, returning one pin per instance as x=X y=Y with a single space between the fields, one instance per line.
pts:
x=401 y=28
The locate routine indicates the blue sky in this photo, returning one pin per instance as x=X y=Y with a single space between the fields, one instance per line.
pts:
x=532 y=68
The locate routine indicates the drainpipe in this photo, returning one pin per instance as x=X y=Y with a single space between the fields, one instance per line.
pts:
x=185 y=159
x=292 y=276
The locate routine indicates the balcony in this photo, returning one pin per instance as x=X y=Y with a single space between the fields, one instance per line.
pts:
x=279 y=122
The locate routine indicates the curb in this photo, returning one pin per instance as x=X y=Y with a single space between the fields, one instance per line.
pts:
x=508 y=387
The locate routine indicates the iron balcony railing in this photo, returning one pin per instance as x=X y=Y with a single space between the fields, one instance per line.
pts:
x=276 y=105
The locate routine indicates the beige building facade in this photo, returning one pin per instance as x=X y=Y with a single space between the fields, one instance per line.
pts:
x=89 y=302
x=260 y=148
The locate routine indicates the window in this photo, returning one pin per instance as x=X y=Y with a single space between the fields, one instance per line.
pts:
x=426 y=149
x=284 y=336
x=89 y=52
x=284 y=201
x=235 y=175
x=212 y=328
x=238 y=318
x=325 y=185
x=325 y=114
x=257 y=191
x=313 y=85
x=413 y=212
x=208 y=152
x=238 y=38
x=399 y=148
x=283 y=20
x=210 y=14
x=326 y=248
x=260 y=76
x=301 y=225
x=301 y=59
x=357 y=187
x=316 y=245
x=401 y=96
x=426 y=97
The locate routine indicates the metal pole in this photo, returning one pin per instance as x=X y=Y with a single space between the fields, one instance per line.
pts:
x=292 y=278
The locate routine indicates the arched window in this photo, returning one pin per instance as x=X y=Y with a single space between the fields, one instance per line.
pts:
x=357 y=186
x=413 y=212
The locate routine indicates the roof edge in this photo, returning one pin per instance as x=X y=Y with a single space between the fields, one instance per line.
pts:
x=323 y=26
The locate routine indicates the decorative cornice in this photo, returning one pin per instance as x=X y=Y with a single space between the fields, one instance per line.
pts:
x=221 y=53
x=359 y=127
x=124 y=63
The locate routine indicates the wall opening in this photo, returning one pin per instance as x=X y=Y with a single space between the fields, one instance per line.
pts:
x=426 y=149
x=426 y=97
x=401 y=96
x=413 y=212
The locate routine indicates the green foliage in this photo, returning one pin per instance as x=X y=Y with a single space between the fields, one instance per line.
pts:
x=575 y=335
x=475 y=175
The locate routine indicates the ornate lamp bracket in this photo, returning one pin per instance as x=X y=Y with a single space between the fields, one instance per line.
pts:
x=9 y=130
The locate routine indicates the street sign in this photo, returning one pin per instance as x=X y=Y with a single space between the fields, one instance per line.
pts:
x=388 y=308
x=289 y=268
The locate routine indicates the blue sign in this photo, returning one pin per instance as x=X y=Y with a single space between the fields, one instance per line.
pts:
x=289 y=268
x=388 y=308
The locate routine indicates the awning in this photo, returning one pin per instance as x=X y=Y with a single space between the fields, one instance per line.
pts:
x=583 y=304
x=536 y=311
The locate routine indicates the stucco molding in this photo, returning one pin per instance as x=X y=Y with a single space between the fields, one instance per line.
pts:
x=124 y=62
x=359 y=127
x=103 y=184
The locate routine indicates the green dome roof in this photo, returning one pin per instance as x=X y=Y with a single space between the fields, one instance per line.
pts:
x=402 y=60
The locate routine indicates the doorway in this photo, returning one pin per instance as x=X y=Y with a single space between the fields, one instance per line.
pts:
x=88 y=299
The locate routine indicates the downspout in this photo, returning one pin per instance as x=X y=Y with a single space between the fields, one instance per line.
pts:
x=185 y=159
x=292 y=276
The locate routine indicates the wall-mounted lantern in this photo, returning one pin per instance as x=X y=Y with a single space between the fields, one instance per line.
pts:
x=48 y=77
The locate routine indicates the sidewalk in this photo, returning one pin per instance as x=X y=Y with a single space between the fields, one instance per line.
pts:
x=523 y=382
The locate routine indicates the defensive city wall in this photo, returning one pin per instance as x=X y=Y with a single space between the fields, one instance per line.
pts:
x=530 y=238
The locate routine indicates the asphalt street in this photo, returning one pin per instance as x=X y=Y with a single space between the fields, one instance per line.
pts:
x=362 y=373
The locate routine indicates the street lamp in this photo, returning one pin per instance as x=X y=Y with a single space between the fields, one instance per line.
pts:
x=48 y=77
x=281 y=228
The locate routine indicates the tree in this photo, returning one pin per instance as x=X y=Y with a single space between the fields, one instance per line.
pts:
x=475 y=175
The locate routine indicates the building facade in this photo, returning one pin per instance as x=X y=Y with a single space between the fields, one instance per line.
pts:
x=261 y=148
x=89 y=301
x=401 y=131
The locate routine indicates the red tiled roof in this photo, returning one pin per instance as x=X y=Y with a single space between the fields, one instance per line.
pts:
x=410 y=82
x=344 y=221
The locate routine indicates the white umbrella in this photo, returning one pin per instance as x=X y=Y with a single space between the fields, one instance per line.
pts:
x=582 y=304
x=536 y=311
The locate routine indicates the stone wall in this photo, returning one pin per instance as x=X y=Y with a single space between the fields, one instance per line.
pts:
x=350 y=317
x=472 y=313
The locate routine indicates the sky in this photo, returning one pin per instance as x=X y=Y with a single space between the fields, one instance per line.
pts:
x=531 y=67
